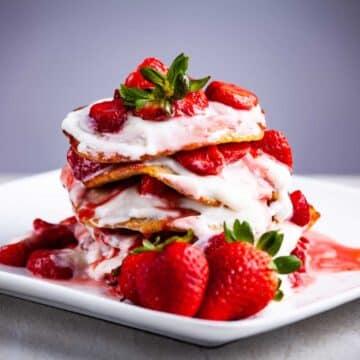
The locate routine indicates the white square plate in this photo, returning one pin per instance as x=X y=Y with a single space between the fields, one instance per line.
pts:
x=43 y=196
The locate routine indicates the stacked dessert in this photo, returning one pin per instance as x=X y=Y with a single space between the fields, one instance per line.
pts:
x=166 y=168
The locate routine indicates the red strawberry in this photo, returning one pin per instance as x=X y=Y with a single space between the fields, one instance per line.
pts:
x=275 y=144
x=44 y=263
x=301 y=209
x=174 y=280
x=214 y=243
x=127 y=275
x=234 y=151
x=243 y=278
x=152 y=111
x=152 y=186
x=83 y=168
x=191 y=104
x=300 y=277
x=232 y=95
x=205 y=161
x=135 y=79
x=108 y=116
x=240 y=284
x=14 y=254
x=44 y=236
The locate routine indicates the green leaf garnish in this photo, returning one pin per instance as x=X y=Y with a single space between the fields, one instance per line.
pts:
x=286 y=264
x=241 y=232
x=159 y=245
x=270 y=242
x=278 y=295
x=167 y=88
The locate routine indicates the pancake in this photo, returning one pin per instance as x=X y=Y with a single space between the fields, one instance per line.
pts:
x=141 y=140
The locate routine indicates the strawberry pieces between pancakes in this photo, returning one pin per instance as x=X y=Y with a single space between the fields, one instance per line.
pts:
x=204 y=161
x=83 y=168
x=275 y=144
x=301 y=208
x=232 y=95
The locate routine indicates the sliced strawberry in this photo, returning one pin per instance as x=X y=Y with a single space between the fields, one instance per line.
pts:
x=191 y=104
x=135 y=79
x=49 y=264
x=152 y=186
x=108 y=116
x=152 y=111
x=83 y=168
x=232 y=95
x=234 y=151
x=205 y=161
x=14 y=254
x=301 y=208
x=275 y=144
x=44 y=236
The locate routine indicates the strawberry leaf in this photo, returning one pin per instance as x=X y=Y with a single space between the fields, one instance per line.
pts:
x=168 y=88
x=242 y=231
x=178 y=66
x=270 y=242
x=153 y=76
x=278 y=295
x=197 y=84
x=286 y=264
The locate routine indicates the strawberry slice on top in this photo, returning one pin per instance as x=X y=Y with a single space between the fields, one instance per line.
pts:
x=232 y=95
x=108 y=116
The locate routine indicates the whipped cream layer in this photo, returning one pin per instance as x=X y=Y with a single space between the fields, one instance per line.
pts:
x=139 y=139
x=248 y=179
x=184 y=213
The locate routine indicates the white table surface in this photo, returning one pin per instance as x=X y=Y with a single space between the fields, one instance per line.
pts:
x=32 y=331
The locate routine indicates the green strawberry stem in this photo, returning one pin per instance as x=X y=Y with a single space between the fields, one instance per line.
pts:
x=170 y=87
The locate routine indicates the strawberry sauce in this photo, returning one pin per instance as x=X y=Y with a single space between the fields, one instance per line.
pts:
x=322 y=254
x=326 y=255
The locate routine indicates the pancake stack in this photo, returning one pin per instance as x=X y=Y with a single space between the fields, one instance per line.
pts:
x=188 y=171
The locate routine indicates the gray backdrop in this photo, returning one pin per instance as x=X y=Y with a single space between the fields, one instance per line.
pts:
x=300 y=57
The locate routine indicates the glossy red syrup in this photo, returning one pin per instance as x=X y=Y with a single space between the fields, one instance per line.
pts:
x=327 y=255
x=322 y=254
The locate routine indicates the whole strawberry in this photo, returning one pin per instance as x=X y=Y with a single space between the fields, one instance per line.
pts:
x=243 y=278
x=135 y=78
x=171 y=277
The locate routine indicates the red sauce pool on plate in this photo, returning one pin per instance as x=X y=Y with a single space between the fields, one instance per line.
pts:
x=324 y=255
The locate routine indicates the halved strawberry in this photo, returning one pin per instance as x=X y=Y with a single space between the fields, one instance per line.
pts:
x=191 y=104
x=135 y=79
x=232 y=95
x=301 y=208
x=47 y=264
x=234 y=151
x=275 y=144
x=152 y=111
x=108 y=116
x=204 y=161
